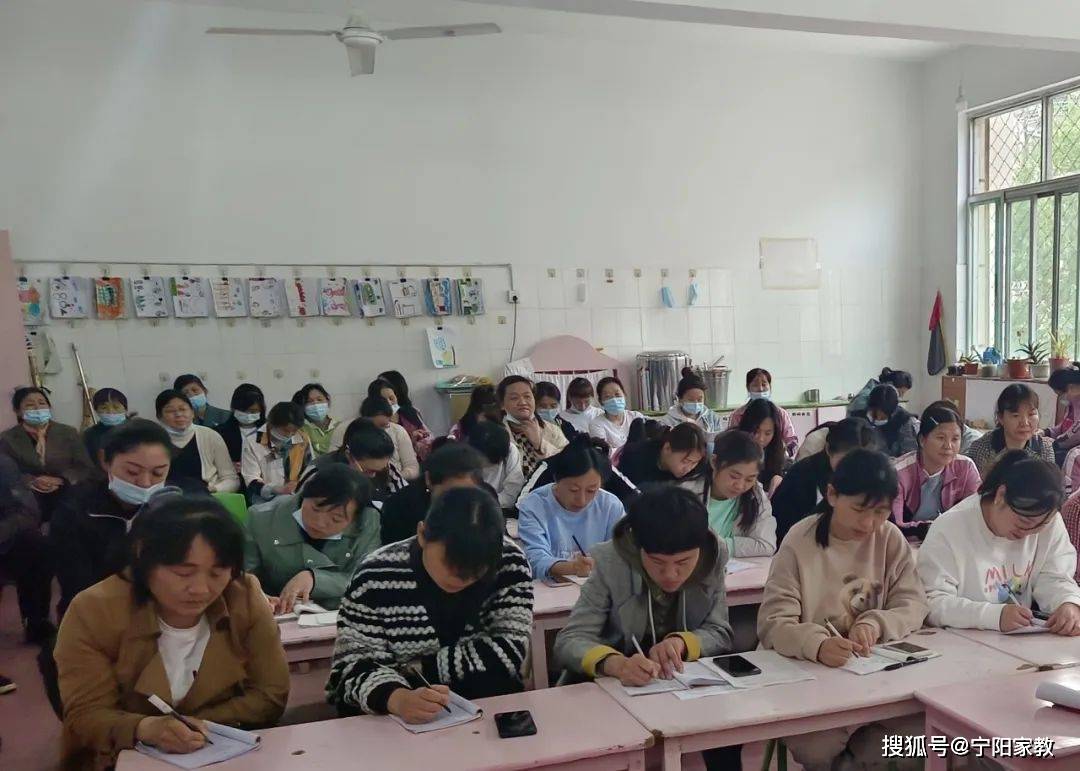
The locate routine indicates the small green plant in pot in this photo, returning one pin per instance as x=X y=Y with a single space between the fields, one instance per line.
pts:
x=1060 y=347
x=1032 y=354
x=970 y=362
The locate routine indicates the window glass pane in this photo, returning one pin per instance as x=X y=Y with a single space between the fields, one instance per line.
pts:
x=1068 y=273
x=1019 y=277
x=1043 y=291
x=984 y=274
x=1065 y=134
x=1007 y=148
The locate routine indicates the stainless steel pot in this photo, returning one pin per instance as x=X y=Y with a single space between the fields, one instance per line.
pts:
x=716 y=385
x=658 y=374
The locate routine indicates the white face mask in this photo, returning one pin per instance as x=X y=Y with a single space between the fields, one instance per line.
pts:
x=132 y=494
x=246 y=418
x=180 y=433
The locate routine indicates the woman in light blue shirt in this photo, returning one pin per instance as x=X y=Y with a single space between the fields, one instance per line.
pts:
x=560 y=522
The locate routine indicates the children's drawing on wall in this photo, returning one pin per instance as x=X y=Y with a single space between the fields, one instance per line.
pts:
x=109 y=298
x=368 y=294
x=148 y=294
x=32 y=300
x=228 y=296
x=334 y=296
x=264 y=296
x=437 y=296
x=442 y=343
x=69 y=297
x=190 y=296
x=405 y=298
x=471 y=296
x=301 y=294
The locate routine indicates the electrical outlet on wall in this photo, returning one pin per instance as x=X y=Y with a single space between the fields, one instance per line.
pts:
x=513 y=297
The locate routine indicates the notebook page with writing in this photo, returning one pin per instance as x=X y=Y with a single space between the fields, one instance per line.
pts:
x=228 y=743
x=461 y=711
x=328 y=618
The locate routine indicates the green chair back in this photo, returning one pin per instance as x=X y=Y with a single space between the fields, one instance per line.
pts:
x=236 y=504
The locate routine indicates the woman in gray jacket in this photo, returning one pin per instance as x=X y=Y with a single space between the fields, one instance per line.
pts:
x=660 y=582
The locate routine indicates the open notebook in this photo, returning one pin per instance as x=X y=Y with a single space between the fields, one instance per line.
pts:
x=882 y=656
x=328 y=618
x=695 y=674
x=298 y=611
x=1038 y=626
x=228 y=743
x=461 y=711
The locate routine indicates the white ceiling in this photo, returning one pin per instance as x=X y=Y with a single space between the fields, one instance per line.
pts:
x=548 y=17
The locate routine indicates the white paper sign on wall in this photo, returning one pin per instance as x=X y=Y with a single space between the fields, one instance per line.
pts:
x=790 y=263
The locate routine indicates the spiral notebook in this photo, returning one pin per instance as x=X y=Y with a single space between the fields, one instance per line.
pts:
x=228 y=743
x=461 y=711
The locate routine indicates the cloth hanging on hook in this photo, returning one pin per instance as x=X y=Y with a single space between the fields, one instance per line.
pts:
x=667 y=297
x=693 y=292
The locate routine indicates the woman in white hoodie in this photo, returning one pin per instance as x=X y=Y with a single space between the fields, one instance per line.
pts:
x=989 y=557
x=691 y=407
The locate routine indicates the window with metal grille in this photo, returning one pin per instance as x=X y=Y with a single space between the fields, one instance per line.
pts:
x=1024 y=224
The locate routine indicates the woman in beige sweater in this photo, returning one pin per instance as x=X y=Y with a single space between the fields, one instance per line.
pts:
x=852 y=567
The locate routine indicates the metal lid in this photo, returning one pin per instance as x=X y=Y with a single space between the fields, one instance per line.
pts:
x=663 y=355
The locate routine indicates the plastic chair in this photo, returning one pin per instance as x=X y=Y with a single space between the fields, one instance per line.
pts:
x=236 y=504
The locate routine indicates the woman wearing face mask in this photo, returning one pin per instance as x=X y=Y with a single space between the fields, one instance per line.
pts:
x=759 y=386
x=319 y=427
x=305 y=547
x=896 y=426
x=761 y=420
x=806 y=482
x=183 y=622
x=276 y=455
x=1017 y=415
x=50 y=455
x=535 y=437
x=935 y=478
x=248 y=407
x=111 y=408
x=560 y=523
x=369 y=450
x=548 y=401
x=679 y=456
x=454 y=603
x=200 y=454
x=659 y=581
x=378 y=411
x=1010 y=530
x=206 y=414
x=739 y=511
x=849 y=548
x=614 y=425
x=690 y=407
x=393 y=387
x=89 y=531
x=580 y=409
x=483 y=405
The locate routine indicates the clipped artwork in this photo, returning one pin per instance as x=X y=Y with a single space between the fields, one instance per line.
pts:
x=109 y=298
x=471 y=296
x=149 y=297
x=228 y=296
x=368 y=293
x=437 y=296
x=442 y=344
x=302 y=296
x=69 y=298
x=405 y=299
x=334 y=296
x=190 y=297
x=32 y=300
x=264 y=297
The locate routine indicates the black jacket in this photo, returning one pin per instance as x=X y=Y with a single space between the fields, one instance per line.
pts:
x=234 y=440
x=640 y=464
x=798 y=495
x=403 y=511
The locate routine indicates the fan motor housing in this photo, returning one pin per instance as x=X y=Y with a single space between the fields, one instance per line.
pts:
x=360 y=37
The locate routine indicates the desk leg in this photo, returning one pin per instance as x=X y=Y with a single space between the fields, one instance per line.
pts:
x=539 y=657
x=933 y=762
x=672 y=754
x=636 y=761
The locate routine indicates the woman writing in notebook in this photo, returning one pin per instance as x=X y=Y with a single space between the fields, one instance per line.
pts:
x=849 y=567
x=679 y=456
x=989 y=557
x=181 y=622
x=759 y=386
x=761 y=420
x=739 y=510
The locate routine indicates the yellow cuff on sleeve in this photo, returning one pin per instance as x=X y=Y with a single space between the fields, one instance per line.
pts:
x=594 y=656
x=693 y=644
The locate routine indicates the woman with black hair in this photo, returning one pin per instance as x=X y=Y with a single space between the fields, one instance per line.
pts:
x=248 y=407
x=450 y=607
x=548 y=403
x=536 y=438
x=406 y=414
x=379 y=411
x=614 y=423
x=182 y=622
x=580 y=408
x=850 y=567
x=759 y=386
x=678 y=456
x=275 y=456
x=1066 y=434
x=1011 y=533
x=319 y=426
x=111 y=408
x=1017 y=415
x=502 y=467
x=690 y=406
x=369 y=450
x=483 y=406
x=896 y=426
x=560 y=523
x=808 y=480
x=739 y=509
x=660 y=582
x=306 y=546
x=761 y=420
x=897 y=378
x=196 y=391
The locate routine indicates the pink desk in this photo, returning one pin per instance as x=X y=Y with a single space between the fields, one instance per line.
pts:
x=578 y=727
x=1041 y=650
x=1005 y=707
x=306 y=644
x=835 y=698
x=552 y=606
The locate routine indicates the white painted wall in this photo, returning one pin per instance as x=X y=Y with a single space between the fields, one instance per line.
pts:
x=127 y=134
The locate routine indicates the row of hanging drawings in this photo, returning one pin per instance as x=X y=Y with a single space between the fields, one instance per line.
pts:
x=190 y=297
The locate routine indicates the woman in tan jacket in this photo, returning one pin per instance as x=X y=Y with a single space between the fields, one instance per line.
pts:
x=182 y=622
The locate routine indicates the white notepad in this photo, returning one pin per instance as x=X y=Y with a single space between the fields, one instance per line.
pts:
x=882 y=656
x=737 y=566
x=228 y=743
x=1038 y=626
x=695 y=674
x=299 y=609
x=775 y=670
x=461 y=711
x=328 y=618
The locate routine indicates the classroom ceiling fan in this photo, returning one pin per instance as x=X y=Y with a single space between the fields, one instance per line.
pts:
x=360 y=40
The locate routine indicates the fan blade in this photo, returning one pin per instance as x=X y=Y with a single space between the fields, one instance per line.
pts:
x=361 y=59
x=415 y=33
x=258 y=31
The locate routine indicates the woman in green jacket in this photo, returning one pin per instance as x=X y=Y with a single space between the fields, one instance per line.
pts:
x=306 y=546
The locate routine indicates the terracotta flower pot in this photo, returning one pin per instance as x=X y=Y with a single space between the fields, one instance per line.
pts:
x=1018 y=369
x=971 y=368
x=1056 y=363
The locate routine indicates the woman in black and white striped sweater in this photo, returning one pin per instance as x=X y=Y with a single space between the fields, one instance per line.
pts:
x=451 y=606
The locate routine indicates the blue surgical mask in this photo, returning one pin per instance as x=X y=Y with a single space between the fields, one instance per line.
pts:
x=317 y=412
x=180 y=432
x=760 y=394
x=37 y=417
x=112 y=418
x=616 y=405
x=548 y=415
x=246 y=418
x=198 y=401
x=132 y=494
x=279 y=439
x=693 y=408
x=298 y=515
x=879 y=423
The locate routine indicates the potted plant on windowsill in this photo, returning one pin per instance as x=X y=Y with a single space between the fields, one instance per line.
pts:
x=1020 y=368
x=971 y=361
x=1059 y=352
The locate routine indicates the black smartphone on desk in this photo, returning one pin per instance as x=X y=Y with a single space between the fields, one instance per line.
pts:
x=514 y=724
x=736 y=666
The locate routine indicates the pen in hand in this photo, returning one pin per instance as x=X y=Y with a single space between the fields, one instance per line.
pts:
x=421 y=676
x=581 y=548
x=165 y=709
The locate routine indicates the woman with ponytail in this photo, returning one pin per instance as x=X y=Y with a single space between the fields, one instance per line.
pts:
x=691 y=407
x=739 y=511
x=679 y=456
